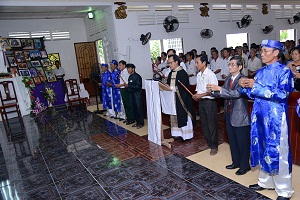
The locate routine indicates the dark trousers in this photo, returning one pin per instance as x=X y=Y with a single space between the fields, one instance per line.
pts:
x=207 y=109
x=126 y=103
x=239 y=142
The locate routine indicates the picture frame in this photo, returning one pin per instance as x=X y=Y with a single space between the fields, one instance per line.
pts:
x=11 y=61
x=33 y=72
x=35 y=63
x=26 y=55
x=14 y=71
x=35 y=55
x=37 y=80
x=27 y=43
x=6 y=44
x=14 y=42
x=50 y=75
x=43 y=79
x=53 y=57
x=37 y=43
x=19 y=56
x=24 y=72
x=22 y=66
x=45 y=62
x=41 y=72
x=44 y=54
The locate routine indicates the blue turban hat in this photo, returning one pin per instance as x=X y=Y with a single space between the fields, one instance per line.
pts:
x=104 y=65
x=114 y=62
x=272 y=44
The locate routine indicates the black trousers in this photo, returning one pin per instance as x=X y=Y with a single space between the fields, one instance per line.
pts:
x=239 y=141
x=208 y=115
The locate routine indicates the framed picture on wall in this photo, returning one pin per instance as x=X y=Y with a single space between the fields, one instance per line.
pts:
x=22 y=66
x=27 y=43
x=15 y=42
x=12 y=61
x=37 y=43
x=45 y=62
x=24 y=72
x=19 y=56
x=50 y=75
x=44 y=54
x=26 y=55
x=33 y=72
x=35 y=63
x=14 y=71
x=53 y=57
x=35 y=55
x=6 y=43
x=43 y=79
x=37 y=80
x=41 y=72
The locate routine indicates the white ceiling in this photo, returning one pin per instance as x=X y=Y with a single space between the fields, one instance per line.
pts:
x=56 y=9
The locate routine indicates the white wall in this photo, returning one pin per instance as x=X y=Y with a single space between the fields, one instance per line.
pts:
x=65 y=48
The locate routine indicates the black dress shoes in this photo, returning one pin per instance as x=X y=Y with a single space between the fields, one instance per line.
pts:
x=283 y=198
x=242 y=171
x=232 y=166
x=256 y=187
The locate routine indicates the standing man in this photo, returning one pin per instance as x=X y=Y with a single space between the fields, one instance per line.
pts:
x=225 y=63
x=207 y=106
x=116 y=94
x=216 y=64
x=254 y=63
x=134 y=88
x=182 y=122
x=236 y=116
x=124 y=93
x=103 y=83
x=270 y=143
x=60 y=73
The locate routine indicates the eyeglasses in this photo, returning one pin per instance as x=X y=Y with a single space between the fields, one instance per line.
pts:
x=169 y=63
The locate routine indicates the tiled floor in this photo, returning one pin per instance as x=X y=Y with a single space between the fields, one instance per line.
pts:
x=80 y=155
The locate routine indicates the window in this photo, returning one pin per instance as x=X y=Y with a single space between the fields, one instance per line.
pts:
x=288 y=34
x=158 y=46
x=237 y=39
x=19 y=35
x=48 y=35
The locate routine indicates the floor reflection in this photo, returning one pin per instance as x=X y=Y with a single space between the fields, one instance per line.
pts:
x=79 y=155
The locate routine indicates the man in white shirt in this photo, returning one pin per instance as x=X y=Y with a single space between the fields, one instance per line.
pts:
x=225 y=63
x=124 y=94
x=254 y=63
x=216 y=64
x=191 y=68
x=207 y=105
x=59 y=71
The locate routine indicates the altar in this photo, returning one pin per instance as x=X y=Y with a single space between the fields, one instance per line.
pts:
x=58 y=90
x=22 y=95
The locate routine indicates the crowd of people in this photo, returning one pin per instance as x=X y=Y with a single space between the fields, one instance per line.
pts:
x=266 y=73
x=260 y=73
